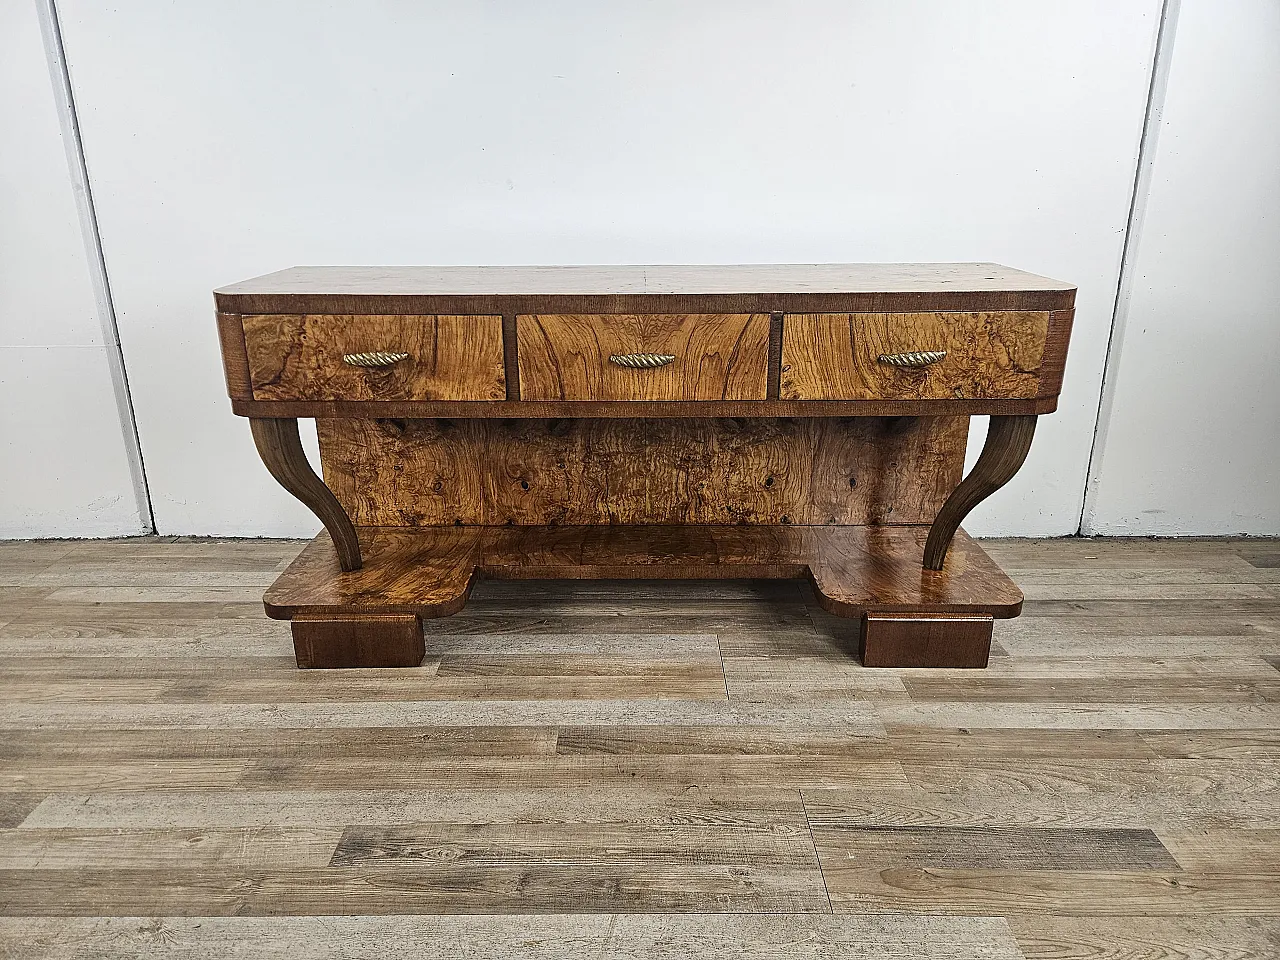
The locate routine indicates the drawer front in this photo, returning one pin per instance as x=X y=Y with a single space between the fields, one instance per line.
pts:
x=913 y=356
x=606 y=357
x=314 y=357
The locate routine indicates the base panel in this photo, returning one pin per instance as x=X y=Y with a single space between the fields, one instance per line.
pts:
x=856 y=571
x=902 y=640
x=365 y=640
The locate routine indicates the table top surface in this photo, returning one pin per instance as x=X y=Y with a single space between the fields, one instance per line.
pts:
x=811 y=278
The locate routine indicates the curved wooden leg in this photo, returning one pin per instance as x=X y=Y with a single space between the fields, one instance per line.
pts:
x=280 y=447
x=1008 y=440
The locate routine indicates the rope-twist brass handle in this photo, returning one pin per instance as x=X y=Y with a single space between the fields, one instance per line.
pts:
x=639 y=360
x=919 y=358
x=374 y=360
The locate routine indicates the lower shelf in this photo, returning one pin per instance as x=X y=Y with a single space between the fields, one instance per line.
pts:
x=911 y=617
x=429 y=571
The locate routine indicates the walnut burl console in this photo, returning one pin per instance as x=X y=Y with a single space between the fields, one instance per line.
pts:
x=644 y=422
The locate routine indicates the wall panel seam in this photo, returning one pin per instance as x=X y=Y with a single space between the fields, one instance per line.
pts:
x=1162 y=60
x=78 y=170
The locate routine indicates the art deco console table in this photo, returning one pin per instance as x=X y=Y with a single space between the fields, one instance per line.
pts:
x=644 y=422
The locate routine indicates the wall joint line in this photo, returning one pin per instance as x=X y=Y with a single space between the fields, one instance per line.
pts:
x=51 y=31
x=1161 y=63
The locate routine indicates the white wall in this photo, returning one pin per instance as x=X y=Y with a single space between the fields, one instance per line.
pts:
x=226 y=140
x=1192 y=441
x=64 y=469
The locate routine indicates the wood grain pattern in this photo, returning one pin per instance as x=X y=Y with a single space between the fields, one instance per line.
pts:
x=430 y=571
x=719 y=288
x=537 y=472
x=244 y=847
x=14 y=807
x=925 y=641
x=213 y=777
x=462 y=679
x=554 y=844
x=439 y=888
x=639 y=803
x=362 y=640
x=1054 y=366
x=614 y=409
x=572 y=773
x=1043 y=937
x=280 y=448
x=1212 y=848
x=775 y=355
x=510 y=358
x=988 y=355
x=235 y=358
x=811 y=936
x=995 y=848
x=718 y=356
x=316 y=743
x=299 y=357
x=1065 y=892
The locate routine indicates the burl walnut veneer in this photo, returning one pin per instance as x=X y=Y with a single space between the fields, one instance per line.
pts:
x=644 y=422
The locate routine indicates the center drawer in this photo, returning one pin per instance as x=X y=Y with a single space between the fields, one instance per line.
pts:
x=643 y=356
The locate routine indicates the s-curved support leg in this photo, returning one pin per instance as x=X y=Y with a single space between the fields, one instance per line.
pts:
x=1008 y=440
x=280 y=447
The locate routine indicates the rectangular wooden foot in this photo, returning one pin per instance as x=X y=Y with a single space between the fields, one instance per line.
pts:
x=924 y=640
x=365 y=640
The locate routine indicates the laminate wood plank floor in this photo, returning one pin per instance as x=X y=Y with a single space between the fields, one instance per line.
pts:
x=609 y=769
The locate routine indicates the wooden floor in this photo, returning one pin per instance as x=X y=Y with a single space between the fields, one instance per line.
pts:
x=637 y=770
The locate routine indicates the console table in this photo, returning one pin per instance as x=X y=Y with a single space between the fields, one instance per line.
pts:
x=644 y=422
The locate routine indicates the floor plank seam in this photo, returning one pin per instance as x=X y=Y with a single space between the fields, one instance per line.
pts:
x=816 y=856
x=724 y=674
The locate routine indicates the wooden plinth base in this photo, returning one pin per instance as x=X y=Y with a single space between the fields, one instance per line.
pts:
x=905 y=640
x=342 y=618
x=359 y=640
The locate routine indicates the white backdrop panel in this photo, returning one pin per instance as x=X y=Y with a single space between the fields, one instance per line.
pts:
x=226 y=140
x=1193 y=442
x=63 y=466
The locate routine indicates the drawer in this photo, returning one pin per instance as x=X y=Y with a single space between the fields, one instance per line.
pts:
x=586 y=357
x=316 y=357
x=878 y=356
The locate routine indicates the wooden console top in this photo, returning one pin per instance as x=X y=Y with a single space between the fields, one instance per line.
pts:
x=1006 y=333
x=253 y=296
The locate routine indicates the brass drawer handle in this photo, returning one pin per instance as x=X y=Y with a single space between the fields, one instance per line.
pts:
x=921 y=358
x=642 y=359
x=375 y=360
